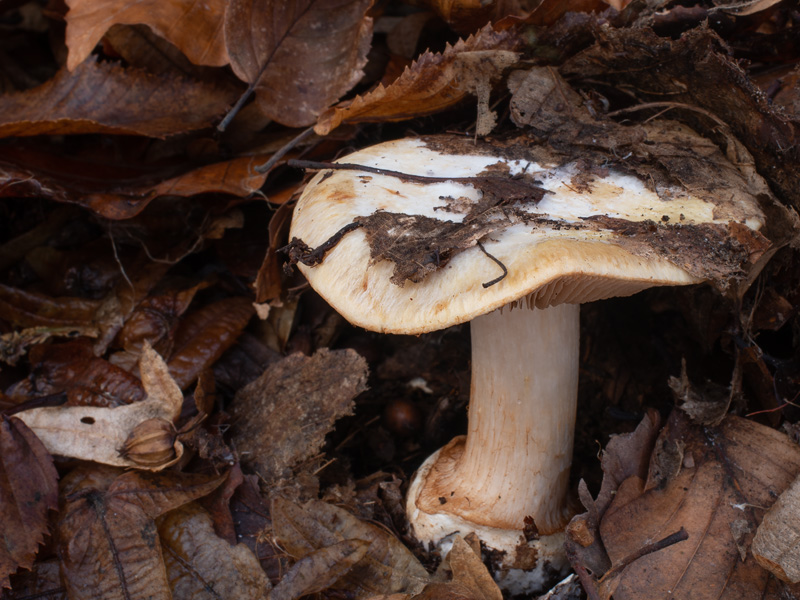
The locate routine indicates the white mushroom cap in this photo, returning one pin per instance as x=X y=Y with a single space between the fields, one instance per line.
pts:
x=560 y=257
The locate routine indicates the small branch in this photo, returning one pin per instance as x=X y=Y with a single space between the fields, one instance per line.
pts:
x=678 y=536
x=299 y=251
x=273 y=160
x=668 y=106
x=223 y=125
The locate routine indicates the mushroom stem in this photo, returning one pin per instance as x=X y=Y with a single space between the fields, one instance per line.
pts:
x=516 y=458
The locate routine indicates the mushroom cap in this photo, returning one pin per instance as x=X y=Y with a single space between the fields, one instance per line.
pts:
x=596 y=232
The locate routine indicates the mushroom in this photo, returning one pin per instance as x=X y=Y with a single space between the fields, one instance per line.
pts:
x=419 y=234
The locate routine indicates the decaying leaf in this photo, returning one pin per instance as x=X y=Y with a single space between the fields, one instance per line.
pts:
x=108 y=541
x=697 y=70
x=776 y=546
x=388 y=566
x=28 y=490
x=72 y=369
x=198 y=561
x=99 y=433
x=301 y=55
x=320 y=569
x=431 y=84
x=106 y=98
x=195 y=28
x=282 y=418
x=728 y=473
x=204 y=335
x=470 y=572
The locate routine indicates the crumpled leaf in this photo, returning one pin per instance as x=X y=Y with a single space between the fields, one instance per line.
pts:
x=776 y=546
x=71 y=368
x=301 y=55
x=28 y=490
x=204 y=335
x=726 y=474
x=431 y=84
x=698 y=69
x=388 y=567
x=195 y=28
x=281 y=418
x=106 y=98
x=108 y=541
x=470 y=572
x=320 y=569
x=198 y=561
x=117 y=192
x=99 y=433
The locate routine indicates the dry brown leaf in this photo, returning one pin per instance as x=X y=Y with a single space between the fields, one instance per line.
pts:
x=469 y=571
x=281 y=418
x=115 y=193
x=727 y=474
x=388 y=567
x=202 y=565
x=466 y=16
x=776 y=546
x=431 y=84
x=28 y=490
x=106 y=98
x=320 y=569
x=194 y=27
x=42 y=581
x=204 y=335
x=108 y=541
x=301 y=55
x=98 y=433
x=31 y=309
x=72 y=369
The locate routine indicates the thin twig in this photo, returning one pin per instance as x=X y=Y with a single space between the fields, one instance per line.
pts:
x=668 y=106
x=678 y=536
x=267 y=166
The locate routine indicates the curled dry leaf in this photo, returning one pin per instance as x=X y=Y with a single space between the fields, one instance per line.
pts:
x=194 y=27
x=281 y=418
x=203 y=336
x=28 y=490
x=72 y=369
x=99 y=433
x=728 y=473
x=299 y=55
x=320 y=569
x=776 y=546
x=470 y=572
x=106 y=98
x=198 y=561
x=388 y=566
x=115 y=194
x=431 y=84
x=108 y=541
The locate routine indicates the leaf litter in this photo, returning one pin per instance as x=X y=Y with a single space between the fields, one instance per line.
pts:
x=119 y=122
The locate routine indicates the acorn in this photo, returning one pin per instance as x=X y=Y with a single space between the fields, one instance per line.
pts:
x=153 y=444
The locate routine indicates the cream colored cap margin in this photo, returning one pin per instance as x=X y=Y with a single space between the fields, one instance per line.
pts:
x=546 y=265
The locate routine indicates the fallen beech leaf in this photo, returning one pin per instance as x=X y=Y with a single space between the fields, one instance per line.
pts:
x=108 y=542
x=42 y=581
x=28 y=490
x=388 y=567
x=319 y=570
x=466 y=16
x=106 y=98
x=98 y=433
x=301 y=55
x=469 y=571
x=198 y=561
x=204 y=335
x=72 y=368
x=728 y=473
x=431 y=84
x=119 y=193
x=776 y=546
x=195 y=28
x=281 y=418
